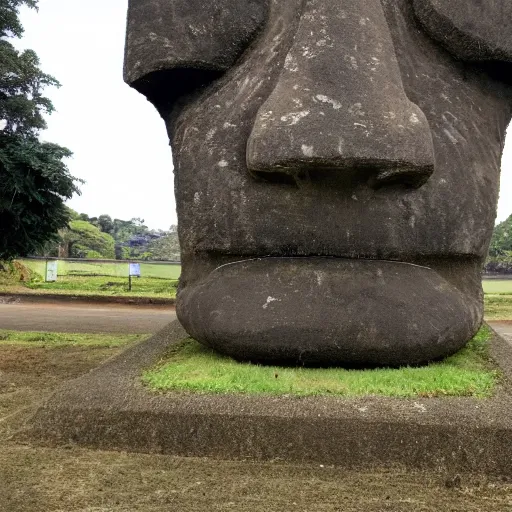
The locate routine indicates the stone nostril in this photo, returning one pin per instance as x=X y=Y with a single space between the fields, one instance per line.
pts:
x=340 y=109
x=282 y=178
x=413 y=177
x=375 y=178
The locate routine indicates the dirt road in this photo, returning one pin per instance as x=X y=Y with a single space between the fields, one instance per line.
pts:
x=91 y=318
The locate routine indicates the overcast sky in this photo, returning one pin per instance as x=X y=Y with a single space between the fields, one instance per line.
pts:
x=119 y=142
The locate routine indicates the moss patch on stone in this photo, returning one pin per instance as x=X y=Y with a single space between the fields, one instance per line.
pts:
x=189 y=366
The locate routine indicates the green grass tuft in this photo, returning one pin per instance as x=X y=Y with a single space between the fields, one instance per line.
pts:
x=191 y=367
x=59 y=339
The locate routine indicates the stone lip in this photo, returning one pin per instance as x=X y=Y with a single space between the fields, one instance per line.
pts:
x=110 y=409
x=329 y=311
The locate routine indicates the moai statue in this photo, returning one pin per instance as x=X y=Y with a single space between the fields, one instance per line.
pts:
x=336 y=169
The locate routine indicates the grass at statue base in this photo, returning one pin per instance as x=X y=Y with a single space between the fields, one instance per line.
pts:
x=191 y=367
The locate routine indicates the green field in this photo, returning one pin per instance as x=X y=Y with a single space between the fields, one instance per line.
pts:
x=498 y=299
x=498 y=307
x=113 y=269
x=102 y=278
x=106 y=286
x=497 y=286
x=191 y=367
x=21 y=281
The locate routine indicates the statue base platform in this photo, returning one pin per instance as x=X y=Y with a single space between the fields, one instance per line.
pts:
x=110 y=409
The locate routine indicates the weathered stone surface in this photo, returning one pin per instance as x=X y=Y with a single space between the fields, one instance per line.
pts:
x=250 y=185
x=470 y=29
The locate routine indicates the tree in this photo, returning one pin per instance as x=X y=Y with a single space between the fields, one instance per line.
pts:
x=500 y=249
x=83 y=240
x=501 y=240
x=34 y=179
x=106 y=224
x=165 y=248
x=125 y=230
x=132 y=237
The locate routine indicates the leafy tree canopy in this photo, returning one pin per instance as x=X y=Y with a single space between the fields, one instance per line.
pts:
x=501 y=241
x=104 y=237
x=9 y=22
x=121 y=230
x=165 y=248
x=83 y=240
x=34 y=179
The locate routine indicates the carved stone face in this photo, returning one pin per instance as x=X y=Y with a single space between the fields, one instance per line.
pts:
x=337 y=168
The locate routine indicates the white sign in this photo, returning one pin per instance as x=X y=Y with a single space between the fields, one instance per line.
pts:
x=51 y=271
x=135 y=269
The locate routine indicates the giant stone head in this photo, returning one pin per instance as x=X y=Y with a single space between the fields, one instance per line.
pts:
x=336 y=169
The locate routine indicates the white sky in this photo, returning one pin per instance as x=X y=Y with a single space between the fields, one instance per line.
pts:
x=119 y=141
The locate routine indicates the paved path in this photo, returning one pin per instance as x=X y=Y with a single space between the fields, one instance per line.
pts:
x=504 y=328
x=90 y=318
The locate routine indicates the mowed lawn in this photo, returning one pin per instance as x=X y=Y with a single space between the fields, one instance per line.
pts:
x=107 y=286
x=113 y=269
x=497 y=286
x=498 y=299
x=98 y=278
x=30 y=339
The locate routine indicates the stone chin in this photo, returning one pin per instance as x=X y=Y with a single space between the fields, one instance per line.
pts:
x=329 y=311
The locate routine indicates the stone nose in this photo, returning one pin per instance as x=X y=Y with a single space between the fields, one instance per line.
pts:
x=340 y=103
